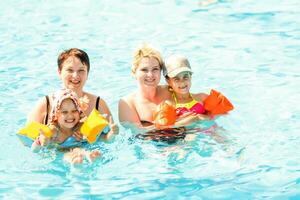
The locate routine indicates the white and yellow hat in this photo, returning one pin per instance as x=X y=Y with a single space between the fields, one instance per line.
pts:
x=175 y=64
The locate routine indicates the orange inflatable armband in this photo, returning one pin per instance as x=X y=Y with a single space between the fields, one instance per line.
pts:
x=217 y=104
x=165 y=115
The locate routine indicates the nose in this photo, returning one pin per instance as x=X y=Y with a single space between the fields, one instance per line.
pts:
x=69 y=115
x=75 y=74
x=149 y=73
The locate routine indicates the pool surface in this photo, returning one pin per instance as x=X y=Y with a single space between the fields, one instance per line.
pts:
x=249 y=50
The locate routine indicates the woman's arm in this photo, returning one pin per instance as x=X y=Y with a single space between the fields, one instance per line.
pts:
x=128 y=114
x=104 y=109
x=190 y=118
x=114 y=129
x=38 y=113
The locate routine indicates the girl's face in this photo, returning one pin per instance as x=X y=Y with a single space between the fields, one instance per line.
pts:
x=73 y=74
x=68 y=115
x=148 y=72
x=181 y=83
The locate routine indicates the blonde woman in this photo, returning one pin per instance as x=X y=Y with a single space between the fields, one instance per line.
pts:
x=137 y=108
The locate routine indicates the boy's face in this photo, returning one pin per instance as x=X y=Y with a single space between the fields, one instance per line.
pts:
x=68 y=115
x=181 y=83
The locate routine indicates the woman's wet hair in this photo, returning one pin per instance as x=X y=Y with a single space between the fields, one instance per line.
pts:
x=78 y=53
x=146 y=50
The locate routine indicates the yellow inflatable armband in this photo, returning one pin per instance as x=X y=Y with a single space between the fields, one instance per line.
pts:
x=93 y=126
x=32 y=130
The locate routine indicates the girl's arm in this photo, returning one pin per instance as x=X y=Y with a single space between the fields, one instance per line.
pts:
x=42 y=140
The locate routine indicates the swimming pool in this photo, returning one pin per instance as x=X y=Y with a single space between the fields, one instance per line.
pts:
x=248 y=49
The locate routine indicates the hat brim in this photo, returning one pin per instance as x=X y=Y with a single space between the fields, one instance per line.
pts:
x=177 y=71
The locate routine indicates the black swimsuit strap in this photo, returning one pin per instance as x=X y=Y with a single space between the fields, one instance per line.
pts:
x=48 y=104
x=97 y=103
x=146 y=123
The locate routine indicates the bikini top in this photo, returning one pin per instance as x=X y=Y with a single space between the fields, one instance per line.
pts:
x=192 y=106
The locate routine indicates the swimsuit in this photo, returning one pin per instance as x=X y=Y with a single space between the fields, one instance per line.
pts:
x=192 y=106
x=146 y=123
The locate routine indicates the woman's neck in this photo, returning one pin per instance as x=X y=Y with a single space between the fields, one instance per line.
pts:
x=80 y=93
x=148 y=93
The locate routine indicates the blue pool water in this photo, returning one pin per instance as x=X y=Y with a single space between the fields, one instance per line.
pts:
x=247 y=49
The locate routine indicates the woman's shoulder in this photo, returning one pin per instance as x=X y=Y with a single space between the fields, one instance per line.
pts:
x=129 y=98
x=164 y=92
x=42 y=103
x=38 y=111
x=164 y=88
x=91 y=96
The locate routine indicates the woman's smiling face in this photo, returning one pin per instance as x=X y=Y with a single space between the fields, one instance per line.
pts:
x=73 y=73
x=148 y=72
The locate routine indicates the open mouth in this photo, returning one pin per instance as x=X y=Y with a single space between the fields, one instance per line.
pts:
x=183 y=88
x=150 y=81
x=75 y=82
x=70 y=120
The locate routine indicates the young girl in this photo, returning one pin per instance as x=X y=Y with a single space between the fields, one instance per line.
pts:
x=66 y=118
x=178 y=74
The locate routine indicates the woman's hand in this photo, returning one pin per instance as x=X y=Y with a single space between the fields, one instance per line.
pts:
x=189 y=118
x=114 y=128
x=203 y=117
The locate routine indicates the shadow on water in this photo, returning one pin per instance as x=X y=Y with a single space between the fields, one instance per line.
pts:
x=179 y=134
x=203 y=139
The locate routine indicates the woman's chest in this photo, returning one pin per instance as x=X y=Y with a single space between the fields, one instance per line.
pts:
x=145 y=110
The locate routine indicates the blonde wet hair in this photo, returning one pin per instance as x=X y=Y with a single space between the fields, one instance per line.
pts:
x=146 y=50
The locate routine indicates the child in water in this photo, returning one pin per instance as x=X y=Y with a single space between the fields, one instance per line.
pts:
x=66 y=118
x=178 y=74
